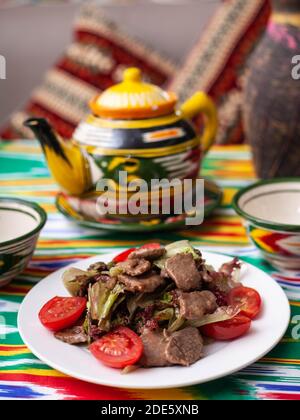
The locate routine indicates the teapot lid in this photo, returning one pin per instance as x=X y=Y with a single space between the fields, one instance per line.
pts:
x=133 y=99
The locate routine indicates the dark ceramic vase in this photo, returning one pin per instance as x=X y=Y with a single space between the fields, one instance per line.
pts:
x=272 y=95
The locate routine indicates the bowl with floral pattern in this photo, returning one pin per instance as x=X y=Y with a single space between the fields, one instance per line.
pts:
x=20 y=225
x=271 y=210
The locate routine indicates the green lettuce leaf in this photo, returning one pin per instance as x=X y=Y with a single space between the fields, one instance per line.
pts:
x=102 y=302
x=224 y=313
x=164 y=315
x=74 y=279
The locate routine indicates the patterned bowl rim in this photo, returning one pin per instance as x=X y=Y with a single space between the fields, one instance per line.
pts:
x=34 y=206
x=262 y=222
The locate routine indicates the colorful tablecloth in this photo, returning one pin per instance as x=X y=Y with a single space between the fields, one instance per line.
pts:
x=23 y=174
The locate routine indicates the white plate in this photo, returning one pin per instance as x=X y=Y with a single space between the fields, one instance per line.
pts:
x=221 y=359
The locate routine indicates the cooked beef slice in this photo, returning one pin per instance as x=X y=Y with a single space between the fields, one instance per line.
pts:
x=74 y=335
x=191 y=305
x=195 y=305
x=184 y=347
x=135 y=267
x=98 y=267
x=108 y=281
x=146 y=283
x=148 y=254
x=154 y=354
x=210 y=301
x=183 y=271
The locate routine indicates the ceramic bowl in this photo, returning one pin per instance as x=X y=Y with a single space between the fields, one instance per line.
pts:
x=20 y=226
x=271 y=210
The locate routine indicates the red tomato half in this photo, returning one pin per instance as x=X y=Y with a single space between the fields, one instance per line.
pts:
x=151 y=246
x=123 y=256
x=248 y=299
x=62 y=312
x=120 y=348
x=228 y=330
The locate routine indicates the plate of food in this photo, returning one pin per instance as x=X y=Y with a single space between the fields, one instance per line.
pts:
x=154 y=317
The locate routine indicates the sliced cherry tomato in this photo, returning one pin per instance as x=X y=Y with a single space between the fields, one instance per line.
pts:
x=248 y=299
x=154 y=245
x=120 y=348
x=123 y=256
x=228 y=330
x=62 y=312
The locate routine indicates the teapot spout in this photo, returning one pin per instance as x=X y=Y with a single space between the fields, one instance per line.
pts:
x=66 y=162
x=45 y=135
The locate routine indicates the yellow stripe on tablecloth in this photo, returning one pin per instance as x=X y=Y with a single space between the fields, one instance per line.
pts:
x=14 y=352
x=280 y=361
x=228 y=195
x=32 y=181
x=222 y=173
x=231 y=148
x=226 y=219
x=86 y=243
x=38 y=193
x=23 y=148
x=49 y=208
x=36 y=372
x=209 y=238
x=165 y=394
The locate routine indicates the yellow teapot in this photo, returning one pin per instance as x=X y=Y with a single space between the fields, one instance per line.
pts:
x=134 y=127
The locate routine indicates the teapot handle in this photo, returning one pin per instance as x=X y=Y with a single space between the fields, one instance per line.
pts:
x=202 y=103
